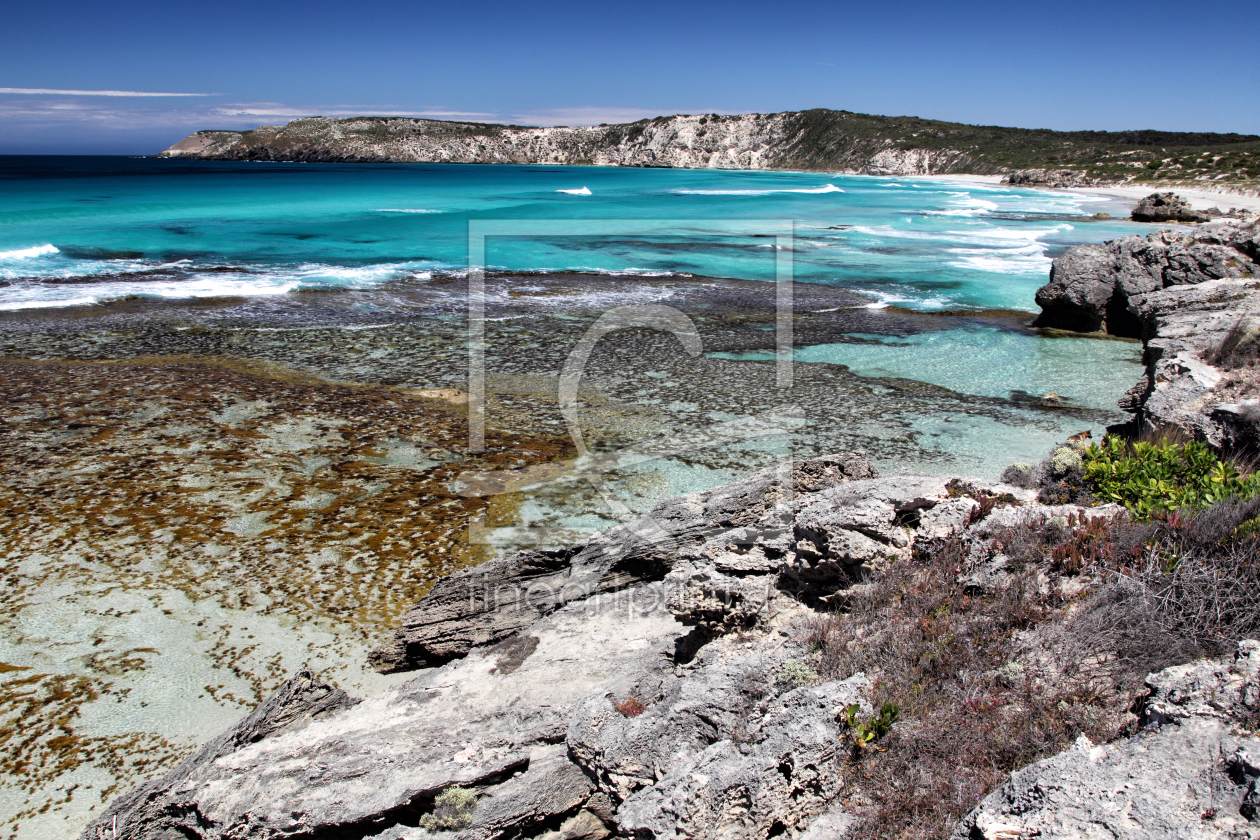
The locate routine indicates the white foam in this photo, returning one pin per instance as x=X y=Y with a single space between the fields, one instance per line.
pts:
x=27 y=253
x=883 y=300
x=825 y=188
x=580 y=191
x=407 y=210
x=264 y=280
x=43 y=296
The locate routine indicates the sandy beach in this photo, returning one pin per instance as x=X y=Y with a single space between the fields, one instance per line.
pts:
x=1200 y=198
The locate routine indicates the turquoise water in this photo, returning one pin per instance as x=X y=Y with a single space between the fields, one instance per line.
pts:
x=85 y=230
x=81 y=230
x=984 y=361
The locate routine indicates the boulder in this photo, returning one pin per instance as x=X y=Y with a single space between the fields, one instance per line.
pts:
x=1167 y=207
x=1060 y=179
x=1092 y=287
x=718 y=603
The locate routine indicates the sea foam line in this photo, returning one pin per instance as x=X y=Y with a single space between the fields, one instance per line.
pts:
x=579 y=191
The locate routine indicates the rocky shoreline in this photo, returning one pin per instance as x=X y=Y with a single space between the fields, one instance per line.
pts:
x=670 y=678
x=1187 y=295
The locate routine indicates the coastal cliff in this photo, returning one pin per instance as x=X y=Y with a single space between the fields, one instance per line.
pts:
x=818 y=139
x=750 y=141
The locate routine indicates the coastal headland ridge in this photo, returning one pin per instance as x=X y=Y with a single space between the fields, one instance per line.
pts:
x=813 y=140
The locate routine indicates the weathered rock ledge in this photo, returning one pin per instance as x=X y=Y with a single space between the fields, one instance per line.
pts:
x=694 y=611
x=639 y=686
x=1183 y=294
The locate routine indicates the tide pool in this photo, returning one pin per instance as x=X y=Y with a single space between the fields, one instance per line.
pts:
x=987 y=362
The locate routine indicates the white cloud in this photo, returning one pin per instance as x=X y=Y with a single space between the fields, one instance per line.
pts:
x=55 y=92
x=267 y=110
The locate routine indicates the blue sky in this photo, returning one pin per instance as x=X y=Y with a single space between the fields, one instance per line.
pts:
x=1065 y=65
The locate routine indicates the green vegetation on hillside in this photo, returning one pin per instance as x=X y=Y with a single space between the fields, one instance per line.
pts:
x=821 y=135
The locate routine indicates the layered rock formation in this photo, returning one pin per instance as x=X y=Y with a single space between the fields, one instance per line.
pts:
x=1167 y=207
x=677 y=705
x=486 y=603
x=722 y=742
x=1188 y=296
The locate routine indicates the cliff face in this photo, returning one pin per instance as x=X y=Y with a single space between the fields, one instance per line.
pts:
x=749 y=141
x=818 y=139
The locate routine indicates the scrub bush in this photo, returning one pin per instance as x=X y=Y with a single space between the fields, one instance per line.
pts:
x=797 y=674
x=452 y=809
x=1152 y=478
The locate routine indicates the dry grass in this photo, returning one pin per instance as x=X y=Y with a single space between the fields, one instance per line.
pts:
x=1239 y=348
x=968 y=716
x=989 y=680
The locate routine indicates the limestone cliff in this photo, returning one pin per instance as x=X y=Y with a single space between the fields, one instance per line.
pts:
x=749 y=141
x=818 y=139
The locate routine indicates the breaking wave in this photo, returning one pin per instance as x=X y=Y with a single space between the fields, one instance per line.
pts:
x=27 y=253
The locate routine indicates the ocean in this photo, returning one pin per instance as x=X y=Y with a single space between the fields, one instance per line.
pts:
x=84 y=230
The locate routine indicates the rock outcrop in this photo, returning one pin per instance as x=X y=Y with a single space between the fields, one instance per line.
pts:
x=1092 y=287
x=1189 y=773
x=1167 y=207
x=1060 y=179
x=498 y=598
x=1186 y=295
x=678 y=704
x=662 y=696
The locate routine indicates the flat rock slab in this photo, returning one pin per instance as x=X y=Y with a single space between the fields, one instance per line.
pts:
x=379 y=762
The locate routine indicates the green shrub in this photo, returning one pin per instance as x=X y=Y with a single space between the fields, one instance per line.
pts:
x=1152 y=478
x=797 y=674
x=452 y=809
x=869 y=731
x=1064 y=460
